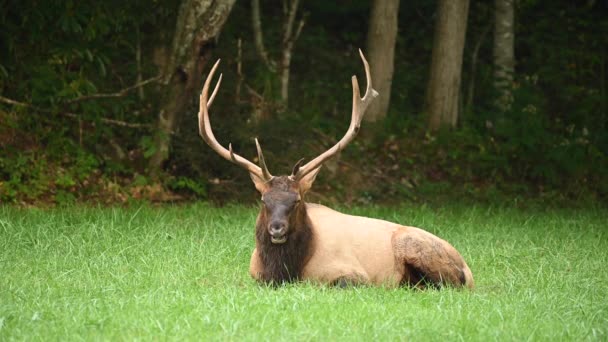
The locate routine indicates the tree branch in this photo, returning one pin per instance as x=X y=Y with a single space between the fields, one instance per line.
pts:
x=239 y=70
x=258 y=35
x=291 y=16
x=290 y=35
x=13 y=102
x=120 y=93
x=289 y=38
x=140 y=90
x=109 y=121
x=72 y=115
x=473 y=71
x=300 y=26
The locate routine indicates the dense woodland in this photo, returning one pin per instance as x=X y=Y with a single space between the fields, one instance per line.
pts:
x=99 y=99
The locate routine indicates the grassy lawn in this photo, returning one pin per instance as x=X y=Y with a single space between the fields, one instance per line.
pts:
x=182 y=273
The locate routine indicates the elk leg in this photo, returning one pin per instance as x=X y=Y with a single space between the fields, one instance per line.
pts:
x=255 y=266
x=428 y=260
x=349 y=280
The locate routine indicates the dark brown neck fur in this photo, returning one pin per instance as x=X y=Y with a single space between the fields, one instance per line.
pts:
x=285 y=262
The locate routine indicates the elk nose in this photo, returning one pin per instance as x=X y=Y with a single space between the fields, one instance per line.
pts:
x=277 y=228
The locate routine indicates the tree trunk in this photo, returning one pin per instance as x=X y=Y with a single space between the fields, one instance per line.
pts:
x=443 y=91
x=258 y=35
x=290 y=35
x=504 y=55
x=381 y=39
x=473 y=71
x=198 y=24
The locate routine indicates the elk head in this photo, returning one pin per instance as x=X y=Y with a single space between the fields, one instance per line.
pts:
x=282 y=195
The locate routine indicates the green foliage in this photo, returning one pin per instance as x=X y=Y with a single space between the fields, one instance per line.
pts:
x=32 y=174
x=553 y=140
x=147 y=144
x=188 y=184
x=54 y=54
x=23 y=175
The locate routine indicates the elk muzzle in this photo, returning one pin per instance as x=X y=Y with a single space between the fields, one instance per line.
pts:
x=278 y=231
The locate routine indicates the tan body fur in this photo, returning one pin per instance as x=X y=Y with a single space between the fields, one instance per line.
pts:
x=364 y=250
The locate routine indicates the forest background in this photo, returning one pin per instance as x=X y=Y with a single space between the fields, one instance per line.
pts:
x=99 y=100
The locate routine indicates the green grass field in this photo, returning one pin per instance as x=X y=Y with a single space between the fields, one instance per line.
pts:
x=181 y=273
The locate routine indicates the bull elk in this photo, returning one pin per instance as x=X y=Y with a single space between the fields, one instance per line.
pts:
x=295 y=240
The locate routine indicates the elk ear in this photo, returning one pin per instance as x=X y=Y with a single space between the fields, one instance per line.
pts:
x=260 y=184
x=306 y=181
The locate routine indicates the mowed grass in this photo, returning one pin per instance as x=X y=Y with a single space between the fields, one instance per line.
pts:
x=181 y=273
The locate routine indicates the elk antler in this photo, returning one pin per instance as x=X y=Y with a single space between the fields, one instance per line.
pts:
x=206 y=133
x=359 y=107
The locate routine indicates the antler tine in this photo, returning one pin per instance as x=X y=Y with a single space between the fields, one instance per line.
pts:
x=296 y=168
x=217 y=87
x=261 y=160
x=360 y=105
x=370 y=93
x=206 y=133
